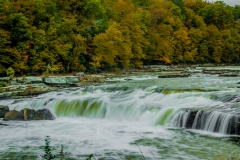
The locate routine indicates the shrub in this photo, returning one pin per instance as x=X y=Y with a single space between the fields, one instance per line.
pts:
x=48 y=150
x=10 y=72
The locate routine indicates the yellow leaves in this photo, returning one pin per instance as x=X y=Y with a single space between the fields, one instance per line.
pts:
x=123 y=8
x=169 y=20
x=166 y=60
x=199 y=22
x=97 y=59
x=217 y=54
x=79 y=44
x=55 y=68
x=109 y=45
x=215 y=43
x=158 y=14
x=116 y=33
x=184 y=49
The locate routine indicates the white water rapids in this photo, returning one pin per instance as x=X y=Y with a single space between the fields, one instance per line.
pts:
x=127 y=120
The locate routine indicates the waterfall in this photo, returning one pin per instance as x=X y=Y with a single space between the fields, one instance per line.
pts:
x=181 y=119
x=95 y=108
x=139 y=105
x=212 y=121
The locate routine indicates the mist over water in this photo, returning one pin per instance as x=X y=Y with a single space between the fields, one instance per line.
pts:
x=122 y=118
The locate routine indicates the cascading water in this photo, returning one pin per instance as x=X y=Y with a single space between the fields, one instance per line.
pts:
x=111 y=121
x=146 y=106
x=212 y=121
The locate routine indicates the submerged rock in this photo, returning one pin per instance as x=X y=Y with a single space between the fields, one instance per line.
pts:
x=29 y=114
x=3 y=110
x=1 y=124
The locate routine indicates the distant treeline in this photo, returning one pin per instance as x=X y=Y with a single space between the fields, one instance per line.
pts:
x=63 y=36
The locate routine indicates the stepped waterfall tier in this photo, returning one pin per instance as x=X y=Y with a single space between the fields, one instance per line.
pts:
x=148 y=116
x=212 y=121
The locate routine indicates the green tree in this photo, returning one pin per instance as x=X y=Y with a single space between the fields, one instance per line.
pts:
x=218 y=14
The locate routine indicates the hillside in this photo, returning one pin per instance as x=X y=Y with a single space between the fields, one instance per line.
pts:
x=63 y=36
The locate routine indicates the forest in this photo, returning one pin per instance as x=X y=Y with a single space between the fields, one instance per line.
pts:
x=64 y=36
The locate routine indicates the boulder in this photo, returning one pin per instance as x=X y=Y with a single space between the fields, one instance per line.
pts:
x=3 y=110
x=29 y=114
x=11 y=115
x=80 y=75
x=61 y=80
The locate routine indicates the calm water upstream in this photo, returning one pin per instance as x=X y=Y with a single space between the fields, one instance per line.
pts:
x=134 y=119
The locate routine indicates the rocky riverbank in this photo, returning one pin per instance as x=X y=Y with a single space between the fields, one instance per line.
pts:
x=31 y=86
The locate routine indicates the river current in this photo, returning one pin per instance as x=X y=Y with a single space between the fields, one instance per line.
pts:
x=138 y=117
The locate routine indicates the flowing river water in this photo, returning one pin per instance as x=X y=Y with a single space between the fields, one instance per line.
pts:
x=141 y=117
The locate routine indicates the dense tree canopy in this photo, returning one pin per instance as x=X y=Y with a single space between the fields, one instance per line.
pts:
x=63 y=36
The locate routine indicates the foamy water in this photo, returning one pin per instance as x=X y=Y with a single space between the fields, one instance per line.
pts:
x=127 y=120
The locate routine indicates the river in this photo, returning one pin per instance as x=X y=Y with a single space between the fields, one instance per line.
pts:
x=138 y=117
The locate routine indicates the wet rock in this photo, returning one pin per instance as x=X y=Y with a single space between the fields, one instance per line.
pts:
x=28 y=80
x=229 y=75
x=11 y=115
x=5 y=79
x=230 y=71
x=1 y=124
x=61 y=80
x=174 y=75
x=29 y=114
x=3 y=110
x=213 y=71
x=13 y=82
x=80 y=75
x=22 y=80
x=29 y=90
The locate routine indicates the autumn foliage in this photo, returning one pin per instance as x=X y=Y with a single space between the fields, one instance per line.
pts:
x=62 y=36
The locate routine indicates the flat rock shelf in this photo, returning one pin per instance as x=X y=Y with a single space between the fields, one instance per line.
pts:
x=128 y=117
